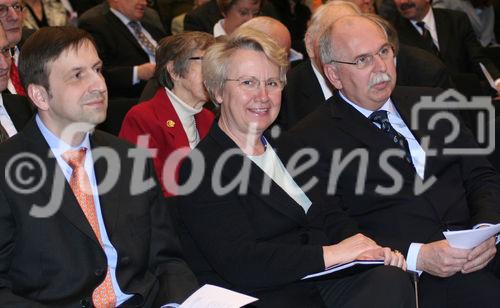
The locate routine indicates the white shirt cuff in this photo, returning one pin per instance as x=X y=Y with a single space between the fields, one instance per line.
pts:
x=135 y=79
x=411 y=257
x=170 y=305
x=487 y=225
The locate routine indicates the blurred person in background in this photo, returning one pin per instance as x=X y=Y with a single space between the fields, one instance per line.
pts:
x=174 y=119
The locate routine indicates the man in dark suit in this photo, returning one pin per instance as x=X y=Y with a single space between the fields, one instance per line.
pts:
x=15 y=110
x=16 y=35
x=371 y=165
x=126 y=37
x=307 y=88
x=68 y=238
x=446 y=33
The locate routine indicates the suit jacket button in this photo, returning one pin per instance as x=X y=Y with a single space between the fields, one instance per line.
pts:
x=304 y=238
x=99 y=272
x=86 y=303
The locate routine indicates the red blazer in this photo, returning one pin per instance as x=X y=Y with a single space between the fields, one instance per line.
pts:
x=157 y=119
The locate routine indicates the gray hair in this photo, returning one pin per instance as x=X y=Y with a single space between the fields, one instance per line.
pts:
x=216 y=60
x=322 y=17
x=178 y=48
x=327 y=51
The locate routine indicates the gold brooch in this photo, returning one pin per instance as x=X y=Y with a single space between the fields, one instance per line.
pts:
x=170 y=123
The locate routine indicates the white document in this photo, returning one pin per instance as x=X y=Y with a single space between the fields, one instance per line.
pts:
x=467 y=239
x=343 y=266
x=210 y=296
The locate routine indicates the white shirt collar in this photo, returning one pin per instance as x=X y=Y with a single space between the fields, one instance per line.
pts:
x=120 y=16
x=219 y=28
x=327 y=91
x=388 y=106
x=430 y=24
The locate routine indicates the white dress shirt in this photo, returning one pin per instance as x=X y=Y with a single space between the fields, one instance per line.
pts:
x=430 y=24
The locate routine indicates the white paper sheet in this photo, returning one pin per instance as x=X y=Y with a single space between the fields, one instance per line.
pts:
x=468 y=239
x=343 y=266
x=210 y=296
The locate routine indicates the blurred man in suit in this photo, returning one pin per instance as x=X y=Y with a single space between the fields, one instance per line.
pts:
x=126 y=38
x=15 y=110
x=69 y=239
x=446 y=33
x=11 y=17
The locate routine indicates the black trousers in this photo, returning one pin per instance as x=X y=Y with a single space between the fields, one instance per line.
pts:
x=477 y=289
x=383 y=286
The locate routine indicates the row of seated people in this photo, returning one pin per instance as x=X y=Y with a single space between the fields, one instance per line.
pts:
x=250 y=213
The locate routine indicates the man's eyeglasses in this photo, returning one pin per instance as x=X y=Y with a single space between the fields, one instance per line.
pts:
x=364 y=61
x=4 y=9
x=253 y=84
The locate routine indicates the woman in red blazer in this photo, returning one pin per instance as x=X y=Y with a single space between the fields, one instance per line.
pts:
x=174 y=119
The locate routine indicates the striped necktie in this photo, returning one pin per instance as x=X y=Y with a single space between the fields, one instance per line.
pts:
x=380 y=117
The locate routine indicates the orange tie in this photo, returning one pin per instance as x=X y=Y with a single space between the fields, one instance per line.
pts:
x=14 y=78
x=104 y=295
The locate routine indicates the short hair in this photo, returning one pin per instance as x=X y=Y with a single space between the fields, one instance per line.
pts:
x=44 y=47
x=216 y=60
x=326 y=52
x=225 y=5
x=390 y=31
x=178 y=48
x=321 y=15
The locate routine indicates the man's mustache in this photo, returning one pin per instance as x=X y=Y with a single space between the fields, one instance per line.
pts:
x=94 y=96
x=406 y=6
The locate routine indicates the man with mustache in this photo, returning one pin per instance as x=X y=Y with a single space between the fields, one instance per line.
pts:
x=367 y=160
x=449 y=35
x=307 y=88
x=73 y=232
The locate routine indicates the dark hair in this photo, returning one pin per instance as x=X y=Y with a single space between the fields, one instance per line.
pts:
x=178 y=48
x=44 y=47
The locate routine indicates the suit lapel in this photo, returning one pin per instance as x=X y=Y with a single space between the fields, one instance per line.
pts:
x=123 y=29
x=353 y=123
x=69 y=207
x=109 y=201
x=443 y=31
x=312 y=90
x=276 y=198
